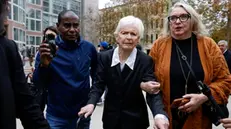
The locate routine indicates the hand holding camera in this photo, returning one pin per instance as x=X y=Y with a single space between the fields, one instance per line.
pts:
x=47 y=50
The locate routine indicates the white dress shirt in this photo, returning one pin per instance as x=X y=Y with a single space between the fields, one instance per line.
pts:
x=130 y=62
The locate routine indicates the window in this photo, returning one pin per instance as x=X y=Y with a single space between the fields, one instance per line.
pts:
x=34 y=20
x=157 y=23
x=151 y=37
x=10 y=10
x=46 y=6
x=15 y=34
x=146 y=38
x=156 y=36
x=18 y=14
x=33 y=40
x=45 y=20
x=38 y=40
x=38 y=14
x=38 y=25
x=38 y=2
x=32 y=25
x=31 y=13
x=15 y=13
x=19 y=35
x=27 y=23
x=16 y=1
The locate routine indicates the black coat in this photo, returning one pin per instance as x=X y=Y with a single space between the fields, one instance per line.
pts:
x=227 y=55
x=125 y=103
x=15 y=97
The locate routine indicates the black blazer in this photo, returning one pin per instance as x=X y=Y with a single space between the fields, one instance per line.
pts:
x=227 y=55
x=125 y=104
x=15 y=97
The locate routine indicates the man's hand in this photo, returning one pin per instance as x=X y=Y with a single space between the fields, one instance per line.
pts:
x=87 y=110
x=45 y=53
x=161 y=123
x=151 y=87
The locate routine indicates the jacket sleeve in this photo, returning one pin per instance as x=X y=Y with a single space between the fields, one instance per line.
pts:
x=93 y=64
x=154 y=101
x=98 y=86
x=220 y=81
x=41 y=75
x=27 y=110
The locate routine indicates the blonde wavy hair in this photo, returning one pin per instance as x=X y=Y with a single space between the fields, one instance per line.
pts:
x=198 y=28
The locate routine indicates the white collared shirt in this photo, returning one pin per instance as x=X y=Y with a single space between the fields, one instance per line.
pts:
x=225 y=51
x=130 y=62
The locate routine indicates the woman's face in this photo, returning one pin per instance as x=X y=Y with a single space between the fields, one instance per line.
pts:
x=180 y=23
x=128 y=37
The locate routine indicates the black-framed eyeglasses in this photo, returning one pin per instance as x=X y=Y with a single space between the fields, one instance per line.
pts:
x=182 y=18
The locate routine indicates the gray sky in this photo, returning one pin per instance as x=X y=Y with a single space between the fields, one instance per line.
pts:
x=102 y=3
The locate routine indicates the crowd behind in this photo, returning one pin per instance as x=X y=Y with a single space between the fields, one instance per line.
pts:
x=185 y=74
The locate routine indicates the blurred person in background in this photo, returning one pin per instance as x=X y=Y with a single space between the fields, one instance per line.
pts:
x=223 y=45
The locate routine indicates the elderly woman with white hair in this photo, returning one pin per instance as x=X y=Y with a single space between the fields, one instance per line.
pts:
x=125 y=70
x=183 y=39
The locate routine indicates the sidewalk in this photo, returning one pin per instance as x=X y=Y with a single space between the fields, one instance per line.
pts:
x=96 y=122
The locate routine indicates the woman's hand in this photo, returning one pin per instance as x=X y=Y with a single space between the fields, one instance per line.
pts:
x=196 y=100
x=151 y=87
x=226 y=123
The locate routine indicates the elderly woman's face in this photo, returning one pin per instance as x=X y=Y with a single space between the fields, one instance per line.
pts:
x=128 y=37
x=179 y=21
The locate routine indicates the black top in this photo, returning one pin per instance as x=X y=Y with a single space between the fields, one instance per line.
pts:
x=177 y=80
x=125 y=105
x=15 y=97
x=227 y=55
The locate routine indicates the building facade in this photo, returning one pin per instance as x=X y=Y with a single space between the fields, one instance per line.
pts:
x=152 y=13
x=28 y=18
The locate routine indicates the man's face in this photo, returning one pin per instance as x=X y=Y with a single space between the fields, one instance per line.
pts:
x=222 y=46
x=69 y=27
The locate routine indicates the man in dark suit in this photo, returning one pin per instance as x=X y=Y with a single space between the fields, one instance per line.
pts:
x=223 y=45
x=15 y=97
x=126 y=71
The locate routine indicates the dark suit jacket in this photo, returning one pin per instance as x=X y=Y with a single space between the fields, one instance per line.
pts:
x=15 y=97
x=227 y=55
x=125 y=104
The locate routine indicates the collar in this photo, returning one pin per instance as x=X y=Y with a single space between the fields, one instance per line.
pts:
x=130 y=60
x=225 y=51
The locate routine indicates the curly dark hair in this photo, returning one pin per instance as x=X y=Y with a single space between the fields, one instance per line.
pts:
x=52 y=28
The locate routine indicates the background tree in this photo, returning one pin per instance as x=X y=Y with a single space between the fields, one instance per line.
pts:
x=216 y=16
x=151 y=12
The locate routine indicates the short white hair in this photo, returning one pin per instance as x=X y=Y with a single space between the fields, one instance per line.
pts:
x=223 y=42
x=131 y=20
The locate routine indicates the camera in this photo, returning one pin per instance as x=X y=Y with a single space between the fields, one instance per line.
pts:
x=50 y=39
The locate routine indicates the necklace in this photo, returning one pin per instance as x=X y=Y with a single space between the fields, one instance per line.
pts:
x=184 y=58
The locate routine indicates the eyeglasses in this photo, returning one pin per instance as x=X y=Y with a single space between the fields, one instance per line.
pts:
x=182 y=18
